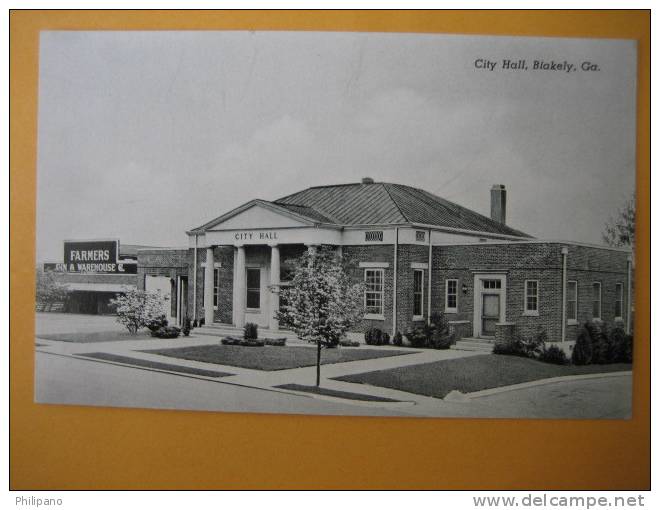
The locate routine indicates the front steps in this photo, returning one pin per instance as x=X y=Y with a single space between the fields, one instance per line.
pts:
x=222 y=330
x=474 y=344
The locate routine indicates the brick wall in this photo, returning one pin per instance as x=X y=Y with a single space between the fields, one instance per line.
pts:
x=409 y=254
x=587 y=265
x=378 y=253
x=225 y=256
x=529 y=261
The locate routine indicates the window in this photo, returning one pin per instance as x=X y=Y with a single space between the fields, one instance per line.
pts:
x=253 y=287
x=618 y=301
x=491 y=284
x=571 y=302
x=216 y=287
x=374 y=235
x=418 y=293
x=420 y=236
x=373 y=292
x=595 y=310
x=451 y=296
x=531 y=297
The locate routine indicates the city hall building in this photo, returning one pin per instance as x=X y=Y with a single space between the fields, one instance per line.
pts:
x=416 y=254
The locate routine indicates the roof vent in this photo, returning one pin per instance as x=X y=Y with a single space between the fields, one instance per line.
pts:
x=367 y=180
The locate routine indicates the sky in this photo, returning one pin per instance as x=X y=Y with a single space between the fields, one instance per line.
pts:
x=144 y=135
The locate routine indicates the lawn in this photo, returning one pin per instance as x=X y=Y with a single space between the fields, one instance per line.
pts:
x=319 y=390
x=95 y=337
x=145 y=363
x=270 y=357
x=470 y=374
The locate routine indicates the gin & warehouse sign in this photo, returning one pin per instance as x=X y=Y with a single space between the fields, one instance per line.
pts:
x=93 y=257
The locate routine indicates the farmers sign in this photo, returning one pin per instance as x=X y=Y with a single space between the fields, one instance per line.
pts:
x=94 y=257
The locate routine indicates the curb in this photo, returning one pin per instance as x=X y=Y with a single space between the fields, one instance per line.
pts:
x=543 y=382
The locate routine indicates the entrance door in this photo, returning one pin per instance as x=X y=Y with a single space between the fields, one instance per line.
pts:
x=256 y=295
x=490 y=313
x=489 y=303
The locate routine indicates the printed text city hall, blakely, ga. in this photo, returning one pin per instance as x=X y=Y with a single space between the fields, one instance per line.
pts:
x=522 y=64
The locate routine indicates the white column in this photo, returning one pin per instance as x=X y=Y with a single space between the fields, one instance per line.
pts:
x=239 y=287
x=208 y=287
x=274 y=324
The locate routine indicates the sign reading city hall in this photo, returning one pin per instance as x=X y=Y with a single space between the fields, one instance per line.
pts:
x=94 y=257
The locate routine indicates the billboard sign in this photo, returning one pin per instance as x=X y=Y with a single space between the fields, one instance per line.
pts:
x=98 y=257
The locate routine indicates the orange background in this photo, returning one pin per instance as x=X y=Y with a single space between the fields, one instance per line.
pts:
x=69 y=447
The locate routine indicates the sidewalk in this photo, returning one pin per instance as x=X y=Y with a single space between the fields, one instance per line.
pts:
x=263 y=379
x=505 y=402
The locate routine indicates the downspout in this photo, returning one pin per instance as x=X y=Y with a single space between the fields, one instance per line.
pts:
x=629 y=294
x=564 y=257
x=428 y=290
x=396 y=272
x=195 y=281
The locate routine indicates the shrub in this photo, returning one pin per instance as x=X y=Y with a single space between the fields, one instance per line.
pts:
x=166 y=332
x=441 y=339
x=417 y=337
x=349 y=343
x=251 y=331
x=622 y=346
x=252 y=343
x=275 y=342
x=373 y=336
x=398 y=339
x=231 y=340
x=554 y=355
x=194 y=325
x=186 y=327
x=535 y=345
x=583 y=350
x=511 y=346
x=386 y=338
x=439 y=320
x=156 y=323
x=601 y=347
x=201 y=322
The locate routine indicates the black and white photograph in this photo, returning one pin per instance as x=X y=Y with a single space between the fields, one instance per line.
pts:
x=336 y=223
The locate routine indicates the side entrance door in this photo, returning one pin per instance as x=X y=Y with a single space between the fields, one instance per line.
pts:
x=489 y=303
x=490 y=313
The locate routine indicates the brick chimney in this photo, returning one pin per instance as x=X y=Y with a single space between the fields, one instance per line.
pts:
x=367 y=180
x=498 y=203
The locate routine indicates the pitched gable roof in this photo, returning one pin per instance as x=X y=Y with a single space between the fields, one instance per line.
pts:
x=386 y=203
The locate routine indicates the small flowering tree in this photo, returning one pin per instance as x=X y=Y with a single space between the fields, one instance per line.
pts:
x=322 y=301
x=49 y=290
x=137 y=308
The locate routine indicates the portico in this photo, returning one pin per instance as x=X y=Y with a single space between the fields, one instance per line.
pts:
x=256 y=233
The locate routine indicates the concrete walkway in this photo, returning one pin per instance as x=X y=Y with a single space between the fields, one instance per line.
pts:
x=593 y=398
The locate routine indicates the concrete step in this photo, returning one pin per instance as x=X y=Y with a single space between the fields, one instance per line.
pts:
x=474 y=344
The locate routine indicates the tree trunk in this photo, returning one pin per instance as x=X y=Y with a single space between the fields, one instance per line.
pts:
x=318 y=363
